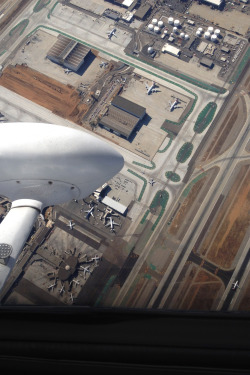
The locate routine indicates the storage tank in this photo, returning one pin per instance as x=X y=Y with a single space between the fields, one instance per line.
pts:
x=151 y=27
x=207 y=35
x=156 y=29
x=154 y=21
x=186 y=37
x=198 y=33
x=160 y=24
x=182 y=35
x=150 y=50
x=165 y=31
x=210 y=29
x=177 y=23
x=170 y=20
x=175 y=29
x=217 y=32
x=200 y=29
x=214 y=37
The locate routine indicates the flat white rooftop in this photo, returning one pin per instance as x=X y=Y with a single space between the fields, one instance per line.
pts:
x=114 y=204
x=215 y=2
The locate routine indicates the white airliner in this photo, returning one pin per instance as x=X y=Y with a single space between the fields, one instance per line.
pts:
x=151 y=88
x=52 y=286
x=67 y=71
x=112 y=224
x=95 y=258
x=111 y=33
x=174 y=104
x=103 y=64
x=71 y=297
x=62 y=290
x=85 y=270
x=151 y=181
x=89 y=212
x=71 y=224
x=235 y=285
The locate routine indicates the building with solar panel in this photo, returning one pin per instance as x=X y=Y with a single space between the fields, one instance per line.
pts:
x=68 y=53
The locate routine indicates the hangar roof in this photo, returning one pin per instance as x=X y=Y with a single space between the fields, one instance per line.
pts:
x=128 y=106
x=119 y=121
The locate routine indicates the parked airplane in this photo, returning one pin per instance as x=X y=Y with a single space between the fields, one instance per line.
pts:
x=89 y=212
x=96 y=258
x=174 y=104
x=151 y=88
x=85 y=270
x=71 y=297
x=112 y=224
x=71 y=224
x=151 y=181
x=103 y=64
x=77 y=282
x=62 y=290
x=235 y=285
x=52 y=286
x=67 y=71
x=111 y=33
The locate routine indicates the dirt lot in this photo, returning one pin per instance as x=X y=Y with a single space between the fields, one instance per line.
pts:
x=190 y=204
x=229 y=126
x=234 y=21
x=63 y=100
x=230 y=225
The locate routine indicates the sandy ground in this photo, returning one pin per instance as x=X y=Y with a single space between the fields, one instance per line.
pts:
x=61 y=99
x=234 y=20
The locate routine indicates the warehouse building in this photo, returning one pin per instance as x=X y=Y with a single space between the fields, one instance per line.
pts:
x=129 y=107
x=143 y=11
x=122 y=117
x=171 y=50
x=214 y=3
x=68 y=53
x=207 y=62
x=124 y=3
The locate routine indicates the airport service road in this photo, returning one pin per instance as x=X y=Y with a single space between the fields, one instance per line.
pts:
x=227 y=167
x=10 y=43
x=226 y=163
x=230 y=299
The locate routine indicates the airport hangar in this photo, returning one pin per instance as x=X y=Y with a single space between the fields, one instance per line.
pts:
x=122 y=117
x=68 y=53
